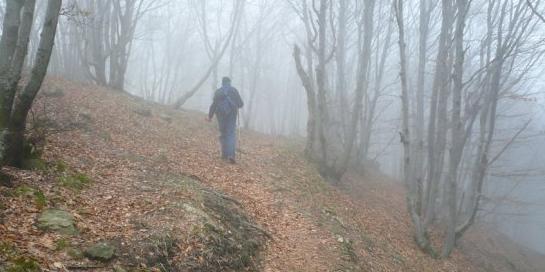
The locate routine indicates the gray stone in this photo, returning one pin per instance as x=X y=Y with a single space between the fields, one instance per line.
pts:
x=143 y=112
x=118 y=268
x=53 y=92
x=167 y=118
x=6 y=180
x=101 y=251
x=58 y=221
x=83 y=119
x=85 y=116
x=196 y=212
x=34 y=164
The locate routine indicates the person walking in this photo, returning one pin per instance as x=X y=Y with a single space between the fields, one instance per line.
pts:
x=225 y=106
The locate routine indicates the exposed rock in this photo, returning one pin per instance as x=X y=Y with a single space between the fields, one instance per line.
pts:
x=118 y=268
x=6 y=180
x=74 y=253
x=85 y=116
x=83 y=120
x=143 y=112
x=165 y=117
x=58 y=221
x=197 y=213
x=101 y=251
x=34 y=164
x=53 y=92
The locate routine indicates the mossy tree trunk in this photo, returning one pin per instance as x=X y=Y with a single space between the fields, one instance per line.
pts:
x=13 y=50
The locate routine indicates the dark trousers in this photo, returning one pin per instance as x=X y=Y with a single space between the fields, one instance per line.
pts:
x=228 y=136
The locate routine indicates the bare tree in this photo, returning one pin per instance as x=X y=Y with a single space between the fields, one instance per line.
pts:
x=333 y=133
x=371 y=112
x=449 y=194
x=307 y=77
x=105 y=35
x=362 y=84
x=216 y=52
x=13 y=50
x=408 y=157
x=323 y=150
x=340 y=61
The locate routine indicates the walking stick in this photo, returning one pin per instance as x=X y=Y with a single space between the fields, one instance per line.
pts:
x=238 y=137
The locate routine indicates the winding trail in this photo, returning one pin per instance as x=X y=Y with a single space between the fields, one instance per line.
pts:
x=122 y=150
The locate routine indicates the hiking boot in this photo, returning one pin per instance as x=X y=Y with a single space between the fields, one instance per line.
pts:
x=232 y=161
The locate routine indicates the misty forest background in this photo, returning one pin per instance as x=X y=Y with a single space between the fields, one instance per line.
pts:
x=446 y=96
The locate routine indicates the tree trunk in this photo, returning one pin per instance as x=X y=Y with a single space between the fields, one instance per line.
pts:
x=369 y=118
x=12 y=154
x=362 y=84
x=341 y=71
x=311 y=101
x=8 y=44
x=439 y=95
x=421 y=80
x=408 y=177
x=457 y=133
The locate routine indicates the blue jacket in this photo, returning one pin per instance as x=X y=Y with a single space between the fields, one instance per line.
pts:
x=219 y=95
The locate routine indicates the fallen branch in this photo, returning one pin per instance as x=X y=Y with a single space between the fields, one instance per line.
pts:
x=260 y=229
x=83 y=267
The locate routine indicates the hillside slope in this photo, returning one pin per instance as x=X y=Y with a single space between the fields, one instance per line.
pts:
x=152 y=186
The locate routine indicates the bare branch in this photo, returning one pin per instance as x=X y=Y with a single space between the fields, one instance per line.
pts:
x=534 y=10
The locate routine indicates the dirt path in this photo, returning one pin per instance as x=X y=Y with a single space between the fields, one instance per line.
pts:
x=121 y=147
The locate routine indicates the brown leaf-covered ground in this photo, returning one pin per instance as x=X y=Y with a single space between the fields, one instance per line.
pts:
x=359 y=225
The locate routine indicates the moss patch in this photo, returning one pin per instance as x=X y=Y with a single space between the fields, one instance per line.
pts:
x=60 y=166
x=74 y=253
x=11 y=260
x=37 y=195
x=218 y=235
x=23 y=264
x=34 y=164
x=226 y=237
x=77 y=181
x=68 y=177
x=62 y=244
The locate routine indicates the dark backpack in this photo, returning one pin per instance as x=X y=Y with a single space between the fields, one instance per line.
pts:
x=225 y=104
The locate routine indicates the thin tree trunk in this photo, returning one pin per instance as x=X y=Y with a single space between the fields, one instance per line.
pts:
x=457 y=132
x=311 y=100
x=419 y=125
x=362 y=84
x=371 y=115
x=439 y=93
x=239 y=6
x=420 y=231
x=341 y=71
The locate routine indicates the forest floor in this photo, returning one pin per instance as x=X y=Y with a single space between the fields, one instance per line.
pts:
x=146 y=181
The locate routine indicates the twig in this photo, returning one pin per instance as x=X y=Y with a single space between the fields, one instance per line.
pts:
x=84 y=267
x=260 y=229
x=535 y=11
x=222 y=196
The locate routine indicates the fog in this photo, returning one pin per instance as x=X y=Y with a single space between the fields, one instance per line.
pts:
x=352 y=77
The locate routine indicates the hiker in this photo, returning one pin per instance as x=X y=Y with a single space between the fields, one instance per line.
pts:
x=225 y=106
